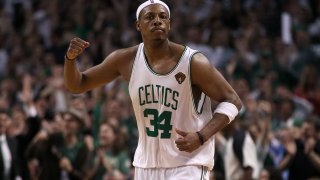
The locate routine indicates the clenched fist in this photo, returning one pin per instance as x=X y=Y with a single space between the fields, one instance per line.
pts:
x=188 y=142
x=76 y=47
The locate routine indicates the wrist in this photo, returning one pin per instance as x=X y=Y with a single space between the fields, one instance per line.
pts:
x=201 y=138
x=69 y=59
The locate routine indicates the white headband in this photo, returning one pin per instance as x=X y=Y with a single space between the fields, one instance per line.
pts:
x=149 y=2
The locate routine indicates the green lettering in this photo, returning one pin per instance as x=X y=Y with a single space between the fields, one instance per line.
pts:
x=166 y=95
x=141 y=102
x=158 y=89
x=164 y=124
x=153 y=96
x=153 y=121
x=175 y=95
x=162 y=94
x=147 y=93
x=158 y=122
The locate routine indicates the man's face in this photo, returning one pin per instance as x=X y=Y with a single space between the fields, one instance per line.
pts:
x=154 y=22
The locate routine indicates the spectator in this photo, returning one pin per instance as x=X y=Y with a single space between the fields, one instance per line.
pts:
x=239 y=153
x=42 y=154
x=112 y=159
x=76 y=150
x=241 y=37
x=9 y=163
x=302 y=156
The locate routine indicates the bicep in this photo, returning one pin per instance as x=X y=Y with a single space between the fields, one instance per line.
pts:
x=210 y=80
x=102 y=73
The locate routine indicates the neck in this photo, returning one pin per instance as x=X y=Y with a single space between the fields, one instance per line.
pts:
x=157 y=50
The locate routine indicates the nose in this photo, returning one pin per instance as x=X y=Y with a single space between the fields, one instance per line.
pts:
x=157 y=21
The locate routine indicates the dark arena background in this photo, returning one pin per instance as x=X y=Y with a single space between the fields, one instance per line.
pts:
x=268 y=50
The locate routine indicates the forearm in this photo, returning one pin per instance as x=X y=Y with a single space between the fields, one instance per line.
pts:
x=315 y=159
x=72 y=76
x=218 y=122
x=285 y=162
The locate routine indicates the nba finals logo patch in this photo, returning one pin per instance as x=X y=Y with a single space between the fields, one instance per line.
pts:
x=180 y=77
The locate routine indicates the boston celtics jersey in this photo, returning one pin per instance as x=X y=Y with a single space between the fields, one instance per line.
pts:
x=163 y=103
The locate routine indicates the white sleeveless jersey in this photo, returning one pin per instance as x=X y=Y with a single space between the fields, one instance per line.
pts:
x=163 y=103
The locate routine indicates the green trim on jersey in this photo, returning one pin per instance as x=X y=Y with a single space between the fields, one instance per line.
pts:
x=193 y=100
x=202 y=171
x=146 y=61
x=204 y=100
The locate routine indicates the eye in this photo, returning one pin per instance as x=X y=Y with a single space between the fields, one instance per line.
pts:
x=164 y=16
x=149 y=17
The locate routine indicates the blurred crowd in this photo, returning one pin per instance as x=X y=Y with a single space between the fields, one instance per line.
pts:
x=48 y=133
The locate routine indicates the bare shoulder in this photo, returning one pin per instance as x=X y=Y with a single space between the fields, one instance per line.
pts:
x=206 y=77
x=200 y=60
x=123 y=60
x=201 y=68
x=125 y=54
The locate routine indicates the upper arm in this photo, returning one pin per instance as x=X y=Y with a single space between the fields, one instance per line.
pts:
x=211 y=82
x=116 y=64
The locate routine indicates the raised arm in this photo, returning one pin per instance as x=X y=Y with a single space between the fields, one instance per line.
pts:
x=108 y=70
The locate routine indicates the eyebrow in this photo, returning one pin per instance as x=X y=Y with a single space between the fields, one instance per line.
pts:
x=151 y=13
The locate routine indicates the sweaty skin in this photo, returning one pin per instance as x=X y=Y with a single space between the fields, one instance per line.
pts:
x=162 y=56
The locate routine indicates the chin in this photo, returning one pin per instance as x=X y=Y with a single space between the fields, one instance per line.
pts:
x=159 y=40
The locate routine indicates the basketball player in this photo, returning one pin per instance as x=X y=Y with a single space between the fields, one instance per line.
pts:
x=170 y=86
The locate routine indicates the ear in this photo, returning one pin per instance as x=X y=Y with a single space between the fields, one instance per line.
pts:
x=137 y=25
